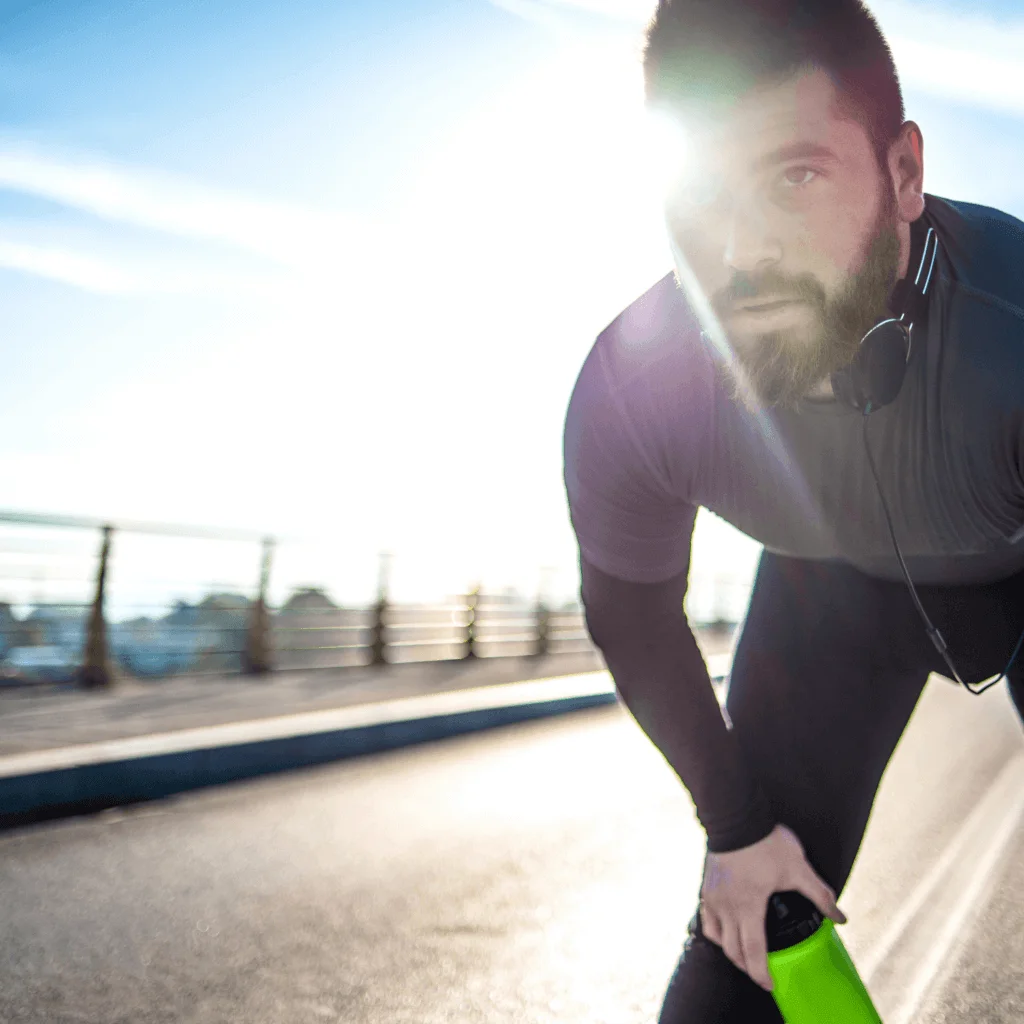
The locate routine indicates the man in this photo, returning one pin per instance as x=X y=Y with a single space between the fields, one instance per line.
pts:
x=798 y=221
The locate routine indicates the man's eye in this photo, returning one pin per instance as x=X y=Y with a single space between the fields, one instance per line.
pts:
x=796 y=176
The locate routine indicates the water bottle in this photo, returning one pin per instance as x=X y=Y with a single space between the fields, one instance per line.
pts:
x=814 y=978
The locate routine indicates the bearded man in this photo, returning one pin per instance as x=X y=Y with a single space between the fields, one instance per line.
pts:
x=798 y=223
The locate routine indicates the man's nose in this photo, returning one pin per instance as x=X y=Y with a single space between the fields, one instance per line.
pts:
x=750 y=244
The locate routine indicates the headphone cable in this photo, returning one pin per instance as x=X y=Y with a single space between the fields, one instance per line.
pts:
x=933 y=633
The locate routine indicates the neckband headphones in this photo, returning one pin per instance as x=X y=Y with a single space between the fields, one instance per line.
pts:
x=875 y=376
x=874 y=379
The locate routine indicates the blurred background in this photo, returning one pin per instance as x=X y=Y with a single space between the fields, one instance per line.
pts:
x=326 y=273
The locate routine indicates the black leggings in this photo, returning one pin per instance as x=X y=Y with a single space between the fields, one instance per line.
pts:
x=828 y=668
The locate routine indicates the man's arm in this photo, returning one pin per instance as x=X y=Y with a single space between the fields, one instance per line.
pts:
x=660 y=674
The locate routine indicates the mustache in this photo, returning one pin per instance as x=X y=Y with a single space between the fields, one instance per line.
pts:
x=769 y=285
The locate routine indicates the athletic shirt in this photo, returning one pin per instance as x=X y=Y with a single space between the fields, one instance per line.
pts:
x=651 y=433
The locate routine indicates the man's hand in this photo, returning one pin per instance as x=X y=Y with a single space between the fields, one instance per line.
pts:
x=735 y=892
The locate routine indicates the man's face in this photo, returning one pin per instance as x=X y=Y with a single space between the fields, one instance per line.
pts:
x=788 y=225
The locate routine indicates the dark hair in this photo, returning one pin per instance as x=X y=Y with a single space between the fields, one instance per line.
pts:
x=700 y=54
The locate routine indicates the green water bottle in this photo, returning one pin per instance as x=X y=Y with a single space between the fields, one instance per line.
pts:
x=814 y=980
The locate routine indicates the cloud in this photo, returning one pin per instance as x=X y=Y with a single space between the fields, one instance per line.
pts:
x=77 y=269
x=563 y=16
x=107 y=266
x=537 y=11
x=296 y=246
x=630 y=12
x=287 y=234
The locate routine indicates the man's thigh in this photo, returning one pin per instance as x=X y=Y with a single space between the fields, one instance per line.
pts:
x=820 y=692
x=819 y=695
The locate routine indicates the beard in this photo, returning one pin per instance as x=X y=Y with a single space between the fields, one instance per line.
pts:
x=777 y=368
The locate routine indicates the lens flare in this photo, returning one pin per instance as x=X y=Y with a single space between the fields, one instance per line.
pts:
x=667 y=150
x=714 y=334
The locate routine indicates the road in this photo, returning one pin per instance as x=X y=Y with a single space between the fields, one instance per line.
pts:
x=538 y=873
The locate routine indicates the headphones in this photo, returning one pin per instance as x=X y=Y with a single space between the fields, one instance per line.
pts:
x=875 y=376
x=874 y=379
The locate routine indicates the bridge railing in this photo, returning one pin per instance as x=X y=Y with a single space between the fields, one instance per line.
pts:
x=60 y=576
x=425 y=632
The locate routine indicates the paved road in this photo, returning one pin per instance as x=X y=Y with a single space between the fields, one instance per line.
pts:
x=538 y=873
x=986 y=982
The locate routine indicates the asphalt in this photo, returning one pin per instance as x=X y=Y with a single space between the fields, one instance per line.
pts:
x=983 y=980
x=543 y=872
x=535 y=873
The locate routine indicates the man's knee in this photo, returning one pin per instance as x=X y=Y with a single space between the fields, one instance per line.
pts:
x=708 y=988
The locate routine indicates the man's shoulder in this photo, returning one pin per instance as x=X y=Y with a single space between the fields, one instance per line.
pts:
x=655 y=339
x=644 y=396
x=984 y=247
x=979 y=217
x=632 y=442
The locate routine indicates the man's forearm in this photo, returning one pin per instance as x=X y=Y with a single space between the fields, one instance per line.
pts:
x=660 y=674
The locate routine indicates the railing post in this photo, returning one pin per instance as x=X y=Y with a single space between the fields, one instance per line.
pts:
x=257 y=658
x=380 y=610
x=543 y=629
x=472 y=600
x=543 y=614
x=95 y=672
x=377 y=644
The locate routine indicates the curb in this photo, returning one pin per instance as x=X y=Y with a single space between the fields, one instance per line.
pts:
x=49 y=784
x=73 y=780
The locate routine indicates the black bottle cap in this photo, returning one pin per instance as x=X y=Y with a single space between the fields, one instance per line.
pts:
x=790 y=919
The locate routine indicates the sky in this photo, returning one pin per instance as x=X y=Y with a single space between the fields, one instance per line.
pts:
x=329 y=270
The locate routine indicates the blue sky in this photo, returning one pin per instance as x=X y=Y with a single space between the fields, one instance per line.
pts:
x=329 y=101
x=331 y=269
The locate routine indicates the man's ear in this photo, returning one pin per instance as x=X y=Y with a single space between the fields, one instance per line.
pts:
x=906 y=167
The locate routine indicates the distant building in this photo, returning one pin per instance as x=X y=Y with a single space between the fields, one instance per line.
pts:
x=9 y=628
x=308 y=600
x=148 y=647
x=208 y=636
x=38 y=664
x=58 y=625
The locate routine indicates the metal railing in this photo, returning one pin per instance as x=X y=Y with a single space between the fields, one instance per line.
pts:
x=393 y=633
x=231 y=628
x=67 y=635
